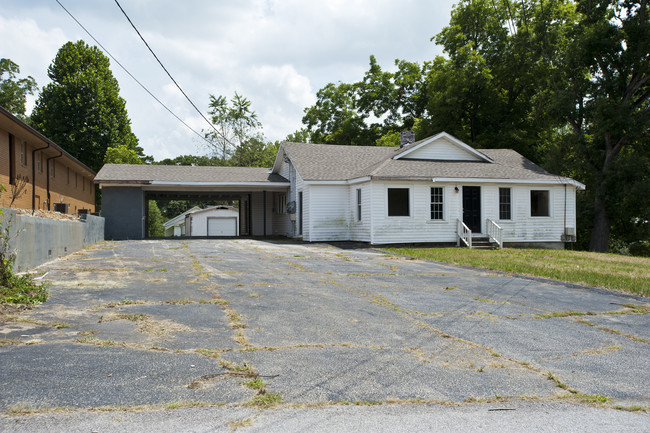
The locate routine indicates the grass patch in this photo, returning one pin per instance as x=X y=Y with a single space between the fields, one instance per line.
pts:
x=22 y=289
x=266 y=399
x=607 y=271
x=256 y=383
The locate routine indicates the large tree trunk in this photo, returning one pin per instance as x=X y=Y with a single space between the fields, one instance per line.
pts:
x=599 y=241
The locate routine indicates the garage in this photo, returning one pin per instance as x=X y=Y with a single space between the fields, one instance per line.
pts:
x=213 y=221
x=222 y=226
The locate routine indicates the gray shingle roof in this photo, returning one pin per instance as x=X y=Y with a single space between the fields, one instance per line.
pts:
x=132 y=173
x=317 y=162
x=334 y=162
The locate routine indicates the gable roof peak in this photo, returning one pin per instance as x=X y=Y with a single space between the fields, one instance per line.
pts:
x=418 y=149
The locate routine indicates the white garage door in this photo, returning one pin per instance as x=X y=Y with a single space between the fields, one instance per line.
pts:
x=222 y=226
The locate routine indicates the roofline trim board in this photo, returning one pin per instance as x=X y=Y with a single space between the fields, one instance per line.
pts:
x=558 y=180
x=338 y=182
x=242 y=183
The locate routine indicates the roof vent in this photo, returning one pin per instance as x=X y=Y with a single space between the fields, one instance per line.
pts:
x=406 y=137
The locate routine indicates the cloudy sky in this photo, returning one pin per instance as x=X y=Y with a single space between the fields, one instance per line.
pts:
x=277 y=53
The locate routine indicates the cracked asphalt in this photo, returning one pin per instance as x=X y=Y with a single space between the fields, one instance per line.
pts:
x=226 y=328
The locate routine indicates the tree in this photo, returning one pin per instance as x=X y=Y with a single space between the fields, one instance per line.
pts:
x=81 y=109
x=600 y=91
x=191 y=160
x=13 y=92
x=254 y=153
x=155 y=226
x=121 y=154
x=234 y=124
x=361 y=113
x=334 y=119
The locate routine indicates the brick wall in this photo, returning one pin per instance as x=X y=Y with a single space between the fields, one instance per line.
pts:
x=70 y=182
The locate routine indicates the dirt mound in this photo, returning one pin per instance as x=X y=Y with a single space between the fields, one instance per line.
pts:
x=47 y=214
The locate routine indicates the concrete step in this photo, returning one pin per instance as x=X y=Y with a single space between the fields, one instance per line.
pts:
x=482 y=244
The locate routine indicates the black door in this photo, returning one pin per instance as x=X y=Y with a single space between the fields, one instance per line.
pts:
x=472 y=208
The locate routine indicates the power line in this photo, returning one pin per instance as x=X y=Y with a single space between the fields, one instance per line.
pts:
x=165 y=69
x=131 y=75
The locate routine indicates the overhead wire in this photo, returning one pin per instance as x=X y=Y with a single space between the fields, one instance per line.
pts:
x=165 y=69
x=130 y=74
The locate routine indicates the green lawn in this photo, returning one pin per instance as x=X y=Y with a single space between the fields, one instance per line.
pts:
x=607 y=271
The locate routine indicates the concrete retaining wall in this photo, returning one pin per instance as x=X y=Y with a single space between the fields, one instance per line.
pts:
x=39 y=240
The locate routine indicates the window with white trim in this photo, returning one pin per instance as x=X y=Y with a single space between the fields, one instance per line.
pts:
x=358 y=204
x=437 y=203
x=539 y=203
x=398 y=202
x=505 y=204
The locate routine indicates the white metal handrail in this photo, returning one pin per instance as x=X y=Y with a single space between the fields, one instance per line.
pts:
x=464 y=234
x=495 y=232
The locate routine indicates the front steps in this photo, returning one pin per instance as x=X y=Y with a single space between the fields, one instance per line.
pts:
x=483 y=244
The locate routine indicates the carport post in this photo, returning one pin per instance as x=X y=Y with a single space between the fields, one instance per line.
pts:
x=264 y=212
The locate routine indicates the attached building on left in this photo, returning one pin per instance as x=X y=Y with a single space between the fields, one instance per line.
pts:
x=53 y=179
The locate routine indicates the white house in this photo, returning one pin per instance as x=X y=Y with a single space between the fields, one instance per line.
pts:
x=213 y=221
x=436 y=190
x=176 y=225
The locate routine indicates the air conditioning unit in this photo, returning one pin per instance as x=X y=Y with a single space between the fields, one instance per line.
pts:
x=61 y=207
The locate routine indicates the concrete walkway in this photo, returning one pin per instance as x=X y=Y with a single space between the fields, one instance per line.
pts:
x=340 y=338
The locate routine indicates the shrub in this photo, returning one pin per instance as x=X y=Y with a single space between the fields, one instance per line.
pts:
x=640 y=248
x=16 y=289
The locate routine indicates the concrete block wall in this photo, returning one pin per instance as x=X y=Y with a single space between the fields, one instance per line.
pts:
x=38 y=240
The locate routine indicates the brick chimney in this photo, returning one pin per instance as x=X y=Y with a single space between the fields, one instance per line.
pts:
x=406 y=137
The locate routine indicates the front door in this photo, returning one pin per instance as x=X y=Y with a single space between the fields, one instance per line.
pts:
x=472 y=208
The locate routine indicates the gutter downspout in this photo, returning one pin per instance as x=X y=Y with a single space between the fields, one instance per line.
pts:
x=47 y=161
x=34 y=176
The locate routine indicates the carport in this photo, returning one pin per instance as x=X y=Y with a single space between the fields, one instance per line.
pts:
x=126 y=190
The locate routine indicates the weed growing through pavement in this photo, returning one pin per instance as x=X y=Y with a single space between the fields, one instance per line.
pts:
x=266 y=399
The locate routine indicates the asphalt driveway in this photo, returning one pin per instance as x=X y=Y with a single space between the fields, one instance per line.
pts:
x=246 y=323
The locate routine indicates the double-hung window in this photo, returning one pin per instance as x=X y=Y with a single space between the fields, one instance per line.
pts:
x=437 y=204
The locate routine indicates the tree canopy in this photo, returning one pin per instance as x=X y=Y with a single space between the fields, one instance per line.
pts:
x=81 y=109
x=14 y=91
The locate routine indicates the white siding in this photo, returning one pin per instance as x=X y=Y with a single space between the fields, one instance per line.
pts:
x=418 y=227
x=303 y=188
x=442 y=149
x=282 y=224
x=526 y=228
x=328 y=213
x=360 y=230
